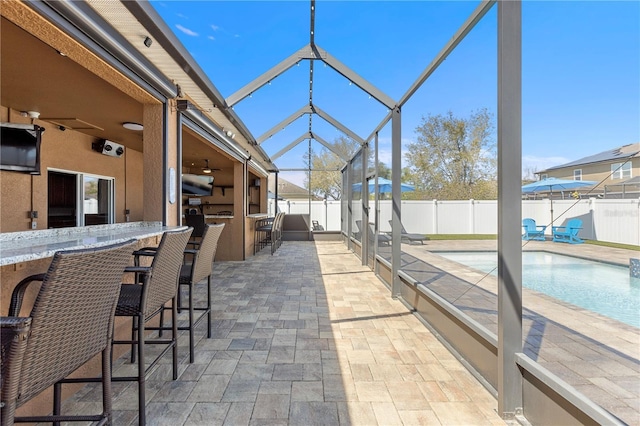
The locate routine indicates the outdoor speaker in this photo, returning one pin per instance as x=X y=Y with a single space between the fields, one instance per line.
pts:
x=107 y=147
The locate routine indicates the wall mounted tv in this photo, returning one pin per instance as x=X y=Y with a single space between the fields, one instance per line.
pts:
x=197 y=185
x=20 y=147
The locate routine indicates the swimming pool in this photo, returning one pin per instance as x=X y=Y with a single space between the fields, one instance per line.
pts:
x=599 y=287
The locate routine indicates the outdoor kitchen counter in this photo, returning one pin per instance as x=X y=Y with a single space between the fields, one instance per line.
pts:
x=23 y=254
x=18 y=247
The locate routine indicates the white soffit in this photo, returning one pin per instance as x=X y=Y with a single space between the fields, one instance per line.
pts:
x=117 y=15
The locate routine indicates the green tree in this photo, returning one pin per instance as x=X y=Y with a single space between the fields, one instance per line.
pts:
x=384 y=171
x=328 y=184
x=454 y=158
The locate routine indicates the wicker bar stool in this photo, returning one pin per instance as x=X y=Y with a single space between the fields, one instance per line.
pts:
x=192 y=272
x=262 y=233
x=72 y=321
x=277 y=232
x=13 y=341
x=155 y=286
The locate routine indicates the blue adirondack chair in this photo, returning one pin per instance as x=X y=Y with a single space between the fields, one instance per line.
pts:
x=532 y=231
x=568 y=233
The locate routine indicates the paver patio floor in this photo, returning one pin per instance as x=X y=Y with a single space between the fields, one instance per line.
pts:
x=306 y=337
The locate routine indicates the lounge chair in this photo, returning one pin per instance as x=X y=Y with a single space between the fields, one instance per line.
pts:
x=380 y=238
x=568 y=233
x=406 y=236
x=532 y=231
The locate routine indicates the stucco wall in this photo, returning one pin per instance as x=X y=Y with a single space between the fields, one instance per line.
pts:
x=71 y=151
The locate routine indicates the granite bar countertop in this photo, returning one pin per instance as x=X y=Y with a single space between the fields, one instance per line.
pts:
x=16 y=247
x=215 y=216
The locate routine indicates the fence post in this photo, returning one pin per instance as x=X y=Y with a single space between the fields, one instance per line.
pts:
x=638 y=216
x=592 y=214
x=324 y=219
x=472 y=216
x=435 y=216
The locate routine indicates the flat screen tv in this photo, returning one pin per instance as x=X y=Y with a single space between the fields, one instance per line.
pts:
x=20 y=147
x=197 y=185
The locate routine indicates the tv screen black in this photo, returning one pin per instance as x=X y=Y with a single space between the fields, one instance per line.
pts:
x=197 y=185
x=20 y=147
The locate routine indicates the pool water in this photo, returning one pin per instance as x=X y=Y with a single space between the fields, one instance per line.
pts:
x=599 y=287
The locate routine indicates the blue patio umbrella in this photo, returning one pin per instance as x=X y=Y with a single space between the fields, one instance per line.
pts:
x=551 y=184
x=384 y=186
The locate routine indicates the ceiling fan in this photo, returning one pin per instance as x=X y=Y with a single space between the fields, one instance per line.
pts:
x=207 y=169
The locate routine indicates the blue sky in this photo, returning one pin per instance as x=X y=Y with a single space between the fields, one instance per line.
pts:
x=581 y=68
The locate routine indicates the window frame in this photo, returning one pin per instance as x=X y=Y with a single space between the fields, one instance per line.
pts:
x=577 y=174
x=80 y=193
x=621 y=170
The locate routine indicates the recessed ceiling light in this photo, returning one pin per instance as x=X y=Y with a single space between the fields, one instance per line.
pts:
x=133 y=126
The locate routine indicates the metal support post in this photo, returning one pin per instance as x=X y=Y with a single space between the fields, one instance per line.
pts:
x=349 y=194
x=396 y=194
x=364 y=193
x=509 y=206
x=376 y=202
x=276 y=199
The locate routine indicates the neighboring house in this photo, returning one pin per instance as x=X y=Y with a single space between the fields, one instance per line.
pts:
x=615 y=170
x=288 y=190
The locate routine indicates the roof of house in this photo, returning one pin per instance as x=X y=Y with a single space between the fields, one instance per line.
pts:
x=620 y=153
x=288 y=189
x=629 y=182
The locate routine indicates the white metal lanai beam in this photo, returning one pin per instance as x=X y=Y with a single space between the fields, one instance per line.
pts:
x=284 y=123
x=303 y=137
x=335 y=123
x=351 y=75
x=304 y=53
x=468 y=25
x=306 y=170
x=329 y=147
x=509 y=130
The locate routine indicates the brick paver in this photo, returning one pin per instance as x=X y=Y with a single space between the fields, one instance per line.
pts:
x=308 y=337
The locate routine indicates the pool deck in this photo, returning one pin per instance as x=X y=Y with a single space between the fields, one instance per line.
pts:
x=305 y=337
x=597 y=355
x=310 y=336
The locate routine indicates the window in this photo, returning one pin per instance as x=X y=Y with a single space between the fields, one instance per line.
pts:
x=621 y=170
x=544 y=176
x=577 y=174
x=97 y=200
x=78 y=199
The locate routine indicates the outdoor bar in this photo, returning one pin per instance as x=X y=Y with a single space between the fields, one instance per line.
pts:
x=125 y=138
x=112 y=169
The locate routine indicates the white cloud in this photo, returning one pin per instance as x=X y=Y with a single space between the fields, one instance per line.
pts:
x=211 y=38
x=180 y=15
x=214 y=27
x=384 y=150
x=535 y=163
x=384 y=156
x=187 y=31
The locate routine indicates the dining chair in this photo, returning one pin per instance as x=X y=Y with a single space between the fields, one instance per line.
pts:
x=71 y=322
x=154 y=286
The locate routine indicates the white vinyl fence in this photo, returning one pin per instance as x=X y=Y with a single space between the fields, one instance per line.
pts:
x=602 y=219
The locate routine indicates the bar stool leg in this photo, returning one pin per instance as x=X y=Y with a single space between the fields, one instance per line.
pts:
x=142 y=419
